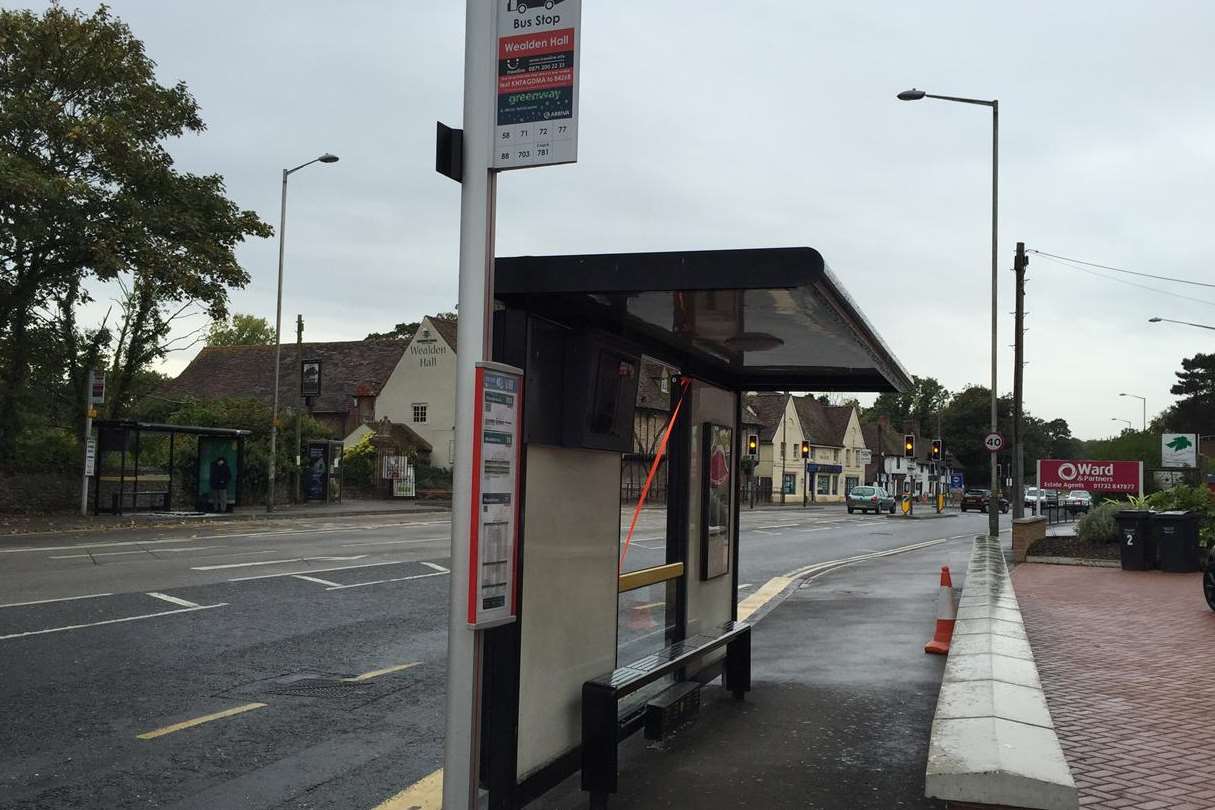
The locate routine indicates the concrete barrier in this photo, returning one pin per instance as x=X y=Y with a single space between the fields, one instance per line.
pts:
x=993 y=742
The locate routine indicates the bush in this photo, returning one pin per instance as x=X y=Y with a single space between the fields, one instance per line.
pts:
x=358 y=465
x=1198 y=499
x=428 y=477
x=1099 y=524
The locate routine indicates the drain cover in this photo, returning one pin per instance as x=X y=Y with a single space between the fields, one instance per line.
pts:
x=312 y=686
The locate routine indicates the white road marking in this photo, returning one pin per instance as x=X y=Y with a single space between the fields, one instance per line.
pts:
x=117 y=543
x=383 y=581
x=123 y=553
x=437 y=567
x=769 y=534
x=397 y=542
x=272 y=562
x=110 y=621
x=174 y=599
x=317 y=580
x=778 y=526
x=318 y=570
x=743 y=587
x=60 y=599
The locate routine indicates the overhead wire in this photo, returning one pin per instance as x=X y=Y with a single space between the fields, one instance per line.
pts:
x=1123 y=270
x=1070 y=263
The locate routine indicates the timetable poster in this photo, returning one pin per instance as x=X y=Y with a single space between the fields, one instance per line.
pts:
x=537 y=83
x=495 y=495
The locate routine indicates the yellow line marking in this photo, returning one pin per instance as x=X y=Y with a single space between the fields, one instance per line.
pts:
x=761 y=597
x=198 y=721
x=375 y=673
x=425 y=794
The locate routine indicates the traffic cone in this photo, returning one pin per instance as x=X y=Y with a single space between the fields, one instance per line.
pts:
x=947 y=614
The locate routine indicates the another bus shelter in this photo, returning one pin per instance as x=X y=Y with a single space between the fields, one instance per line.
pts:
x=138 y=466
x=606 y=626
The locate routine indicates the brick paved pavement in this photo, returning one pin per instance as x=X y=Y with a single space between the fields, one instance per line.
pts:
x=1127 y=660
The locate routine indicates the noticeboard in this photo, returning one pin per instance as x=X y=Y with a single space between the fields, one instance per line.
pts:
x=494 y=525
x=1179 y=450
x=536 y=114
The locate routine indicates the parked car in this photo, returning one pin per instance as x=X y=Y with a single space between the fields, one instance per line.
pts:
x=870 y=499
x=1052 y=497
x=1078 y=501
x=978 y=499
x=1034 y=498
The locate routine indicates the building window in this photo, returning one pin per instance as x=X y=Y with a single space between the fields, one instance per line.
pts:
x=790 y=483
x=419 y=412
x=898 y=462
x=835 y=455
x=835 y=485
x=782 y=449
x=824 y=484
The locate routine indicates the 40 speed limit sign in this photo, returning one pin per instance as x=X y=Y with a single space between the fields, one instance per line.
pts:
x=994 y=442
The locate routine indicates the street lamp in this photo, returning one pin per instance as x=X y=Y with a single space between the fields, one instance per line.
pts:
x=993 y=516
x=278 y=324
x=1144 y=401
x=1128 y=422
x=1184 y=323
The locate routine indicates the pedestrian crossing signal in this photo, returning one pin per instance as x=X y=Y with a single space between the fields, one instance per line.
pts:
x=909 y=445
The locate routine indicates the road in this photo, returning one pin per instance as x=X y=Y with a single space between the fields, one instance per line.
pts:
x=293 y=665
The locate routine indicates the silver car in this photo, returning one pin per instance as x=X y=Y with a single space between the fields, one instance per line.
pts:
x=870 y=499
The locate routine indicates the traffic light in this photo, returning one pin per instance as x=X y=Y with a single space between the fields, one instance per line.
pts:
x=752 y=445
x=908 y=445
x=936 y=449
x=805 y=450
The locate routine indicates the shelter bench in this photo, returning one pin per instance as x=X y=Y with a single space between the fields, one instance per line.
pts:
x=601 y=725
x=151 y=498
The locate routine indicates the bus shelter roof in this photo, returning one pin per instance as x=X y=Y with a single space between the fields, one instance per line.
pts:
x=156 y=427
x=771 y=319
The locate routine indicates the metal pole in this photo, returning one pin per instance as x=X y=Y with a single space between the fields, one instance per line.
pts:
x=88 y=433
x=278 y=346
x=993 y=507
x=1018 y=506
x=474 y=334
x=299 y=413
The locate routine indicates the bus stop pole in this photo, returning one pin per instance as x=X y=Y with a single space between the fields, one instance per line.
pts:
x=474 y=338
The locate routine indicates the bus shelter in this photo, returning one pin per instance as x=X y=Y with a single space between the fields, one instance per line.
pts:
x=606 y=625
x=158 y=467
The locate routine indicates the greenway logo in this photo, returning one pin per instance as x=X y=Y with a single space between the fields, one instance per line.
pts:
x=1070 y=472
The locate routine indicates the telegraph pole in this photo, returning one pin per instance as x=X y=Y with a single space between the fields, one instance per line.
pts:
x=299 y=412
x=1018 y=460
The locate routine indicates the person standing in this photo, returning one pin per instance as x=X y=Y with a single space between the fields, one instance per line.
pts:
x=221 y=474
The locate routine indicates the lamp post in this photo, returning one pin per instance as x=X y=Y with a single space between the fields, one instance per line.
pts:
x=993 y=515
x=278 y=325
x=1144 y=402
x=1129 y=426
x=1184 y=323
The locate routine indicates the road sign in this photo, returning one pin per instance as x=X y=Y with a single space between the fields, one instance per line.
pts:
x=955 y=480
x=90 y=456
x=536 y=120
x=994 y=442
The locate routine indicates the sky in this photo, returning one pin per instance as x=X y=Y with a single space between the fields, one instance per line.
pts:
x=724 y=125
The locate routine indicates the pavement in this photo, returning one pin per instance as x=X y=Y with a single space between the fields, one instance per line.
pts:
x=1127 y=660
x=296 y=663
x=841 y=703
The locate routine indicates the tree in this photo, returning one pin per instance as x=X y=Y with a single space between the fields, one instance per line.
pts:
x=88 y=191
x=922 y=403
x=241 y=330
x=402 y=331
x=1195 y=412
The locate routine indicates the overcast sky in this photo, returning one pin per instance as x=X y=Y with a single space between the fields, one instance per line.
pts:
x=724 y=125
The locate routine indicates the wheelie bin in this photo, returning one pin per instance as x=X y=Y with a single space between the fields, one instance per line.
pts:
x=1137 y=546
x=1176 y=535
